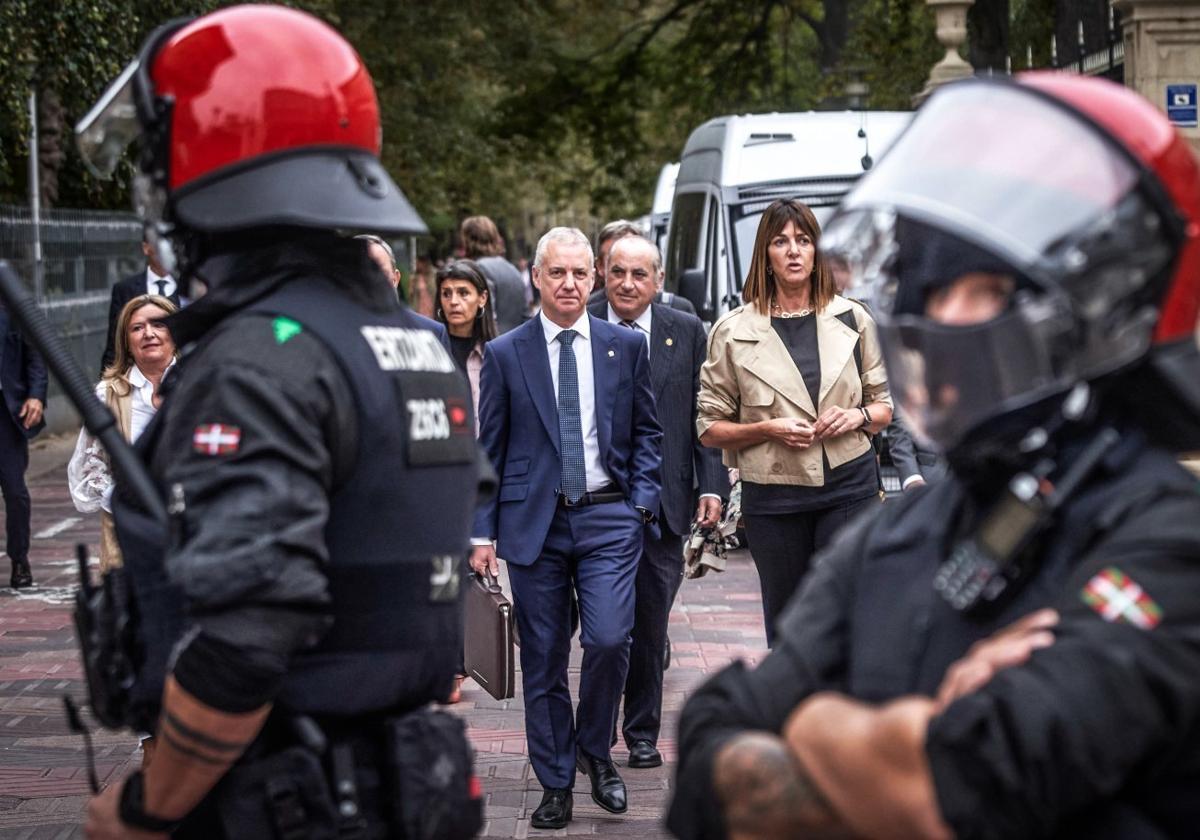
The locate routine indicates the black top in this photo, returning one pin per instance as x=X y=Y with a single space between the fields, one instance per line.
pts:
x=856 y=479
x=461 y=348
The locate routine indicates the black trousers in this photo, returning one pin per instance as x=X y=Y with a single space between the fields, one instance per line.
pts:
x=783 y=545
x=660 y=571
x=14 y=459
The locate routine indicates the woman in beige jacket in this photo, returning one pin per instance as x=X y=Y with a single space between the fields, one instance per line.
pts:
x=792 y=389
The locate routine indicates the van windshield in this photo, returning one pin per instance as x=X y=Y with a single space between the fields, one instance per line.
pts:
x=744 y=218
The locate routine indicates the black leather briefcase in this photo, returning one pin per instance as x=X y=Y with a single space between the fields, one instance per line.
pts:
x=488 y=637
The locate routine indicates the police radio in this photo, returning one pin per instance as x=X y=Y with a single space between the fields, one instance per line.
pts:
x=988 y=568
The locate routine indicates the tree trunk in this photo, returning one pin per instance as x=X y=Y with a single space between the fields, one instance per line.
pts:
x=50 y=151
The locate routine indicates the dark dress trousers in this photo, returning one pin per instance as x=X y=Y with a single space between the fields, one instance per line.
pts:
x=22 y=375
x=551 y=549
x=123 y=292
x=677 y=350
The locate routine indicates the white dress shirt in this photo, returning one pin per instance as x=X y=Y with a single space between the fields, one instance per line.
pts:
x=88 y=474
x=642 y=323
x=152 y=281
x=582 y=345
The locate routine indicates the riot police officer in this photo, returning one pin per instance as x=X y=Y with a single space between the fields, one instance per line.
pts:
x=312 y=428
x=1031 y=250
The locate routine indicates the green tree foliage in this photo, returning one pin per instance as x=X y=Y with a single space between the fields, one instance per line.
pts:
x=531 y=111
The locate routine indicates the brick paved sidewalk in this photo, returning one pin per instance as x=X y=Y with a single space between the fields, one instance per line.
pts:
x=43 y=781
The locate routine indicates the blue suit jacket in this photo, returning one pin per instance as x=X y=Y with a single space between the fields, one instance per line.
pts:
x=518 y=429
x=22 y=373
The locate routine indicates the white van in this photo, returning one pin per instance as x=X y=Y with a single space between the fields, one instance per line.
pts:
x=733 y=167
x=660 y=210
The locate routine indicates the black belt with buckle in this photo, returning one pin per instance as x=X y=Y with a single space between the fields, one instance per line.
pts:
x=597 y=497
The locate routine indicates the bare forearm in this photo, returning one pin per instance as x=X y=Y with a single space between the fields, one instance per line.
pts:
x=728 y=435
x=766 y=794
x=881 y=417
x=196 y=746
x=858 y=754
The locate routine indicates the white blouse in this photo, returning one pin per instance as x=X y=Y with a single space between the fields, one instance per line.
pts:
x=88 y=473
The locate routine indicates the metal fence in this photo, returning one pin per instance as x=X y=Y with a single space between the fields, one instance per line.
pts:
x=70 y=260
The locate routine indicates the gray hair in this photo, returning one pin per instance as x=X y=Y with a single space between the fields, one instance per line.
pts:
x=562 y=236
x=657 y=254
x=382 y=243
x=616 y=230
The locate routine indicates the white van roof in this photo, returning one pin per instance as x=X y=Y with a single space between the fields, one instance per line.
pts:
x=757 y=148
x=665 y=191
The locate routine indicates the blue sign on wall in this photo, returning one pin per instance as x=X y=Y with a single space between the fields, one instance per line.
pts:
x=1181 y=105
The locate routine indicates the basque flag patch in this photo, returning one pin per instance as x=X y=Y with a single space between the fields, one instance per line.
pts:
x=216 y=439
x=1119 y=599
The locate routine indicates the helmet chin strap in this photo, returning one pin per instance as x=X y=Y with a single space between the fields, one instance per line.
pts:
x=1011 y=445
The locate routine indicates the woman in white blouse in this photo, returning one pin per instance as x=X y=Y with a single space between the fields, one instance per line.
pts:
x=129 y=387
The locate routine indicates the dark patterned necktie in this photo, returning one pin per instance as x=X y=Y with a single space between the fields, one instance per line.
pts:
x=570 y=423
x=625 y=322
x=162 y=287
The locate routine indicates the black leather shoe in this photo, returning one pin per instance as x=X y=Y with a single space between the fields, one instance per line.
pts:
x=608 y=791
x=21 y=574
x=642 y=754
x=555 y=810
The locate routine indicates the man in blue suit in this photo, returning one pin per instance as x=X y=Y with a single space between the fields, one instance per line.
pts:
x=567 y=418
x=23 y=382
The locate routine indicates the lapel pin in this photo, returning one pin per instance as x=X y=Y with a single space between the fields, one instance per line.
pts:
x=670 y=341
x=612 y=353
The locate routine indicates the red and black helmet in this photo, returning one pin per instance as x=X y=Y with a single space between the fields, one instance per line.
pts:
x=1079 y=190
x=248 y=117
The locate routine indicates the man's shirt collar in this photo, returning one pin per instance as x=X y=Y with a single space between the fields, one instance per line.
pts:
x=551 y=329
x=643 y=321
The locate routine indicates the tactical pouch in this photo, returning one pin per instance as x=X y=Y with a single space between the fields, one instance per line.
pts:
x=435 y=794
x=283 y=796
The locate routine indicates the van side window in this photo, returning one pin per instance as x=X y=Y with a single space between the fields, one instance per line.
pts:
x=686 y=242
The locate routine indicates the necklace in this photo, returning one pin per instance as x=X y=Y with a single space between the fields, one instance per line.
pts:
x=779 y=311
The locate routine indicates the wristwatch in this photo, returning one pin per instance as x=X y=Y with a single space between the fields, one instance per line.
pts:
x=866 y=415
x=131 y=808
x=648 y=518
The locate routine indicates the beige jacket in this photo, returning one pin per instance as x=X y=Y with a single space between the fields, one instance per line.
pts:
x=750 y=376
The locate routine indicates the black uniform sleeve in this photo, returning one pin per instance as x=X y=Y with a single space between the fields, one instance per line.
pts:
x=1114 y=700
x=810 y=656
x=259 y=431
x=902 y=450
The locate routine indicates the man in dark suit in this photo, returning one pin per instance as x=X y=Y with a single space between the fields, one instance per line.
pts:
x=915 y=464
x=609 y=234
x=676 y=344
x=383 y=256
x=23 y=381
x=579 y=483
x=153 y=281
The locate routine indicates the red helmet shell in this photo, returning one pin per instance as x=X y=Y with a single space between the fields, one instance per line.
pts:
x=1147 y=134
x=254 y=80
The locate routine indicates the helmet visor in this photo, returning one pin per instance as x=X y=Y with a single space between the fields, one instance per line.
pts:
x=947 y=381
x=995 y=164
x=110 y=126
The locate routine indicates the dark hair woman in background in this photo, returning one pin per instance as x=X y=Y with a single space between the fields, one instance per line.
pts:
x=464 y=305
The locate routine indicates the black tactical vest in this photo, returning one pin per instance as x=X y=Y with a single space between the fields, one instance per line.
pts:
x=399 y=524
x=904 y=636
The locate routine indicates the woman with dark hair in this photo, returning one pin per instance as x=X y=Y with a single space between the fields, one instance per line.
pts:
x=792 y=389
x=464 y=305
